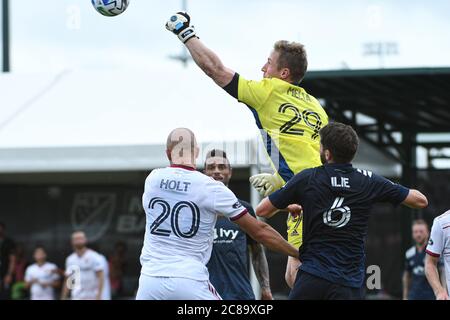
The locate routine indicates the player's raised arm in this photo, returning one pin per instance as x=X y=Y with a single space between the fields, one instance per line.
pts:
x=205 y=58
x=415 y=199
x=265 y=234
x=388 y=191
x=226 y=203
x=266 y=209
x=287 y=198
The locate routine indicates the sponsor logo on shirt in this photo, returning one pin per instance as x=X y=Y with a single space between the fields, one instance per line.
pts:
x=237 y=205
x=222 y=235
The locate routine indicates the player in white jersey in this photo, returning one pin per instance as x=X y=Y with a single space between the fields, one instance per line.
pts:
x=439 y=244
x=181 y=206
x=41 y=277
x=84 y=271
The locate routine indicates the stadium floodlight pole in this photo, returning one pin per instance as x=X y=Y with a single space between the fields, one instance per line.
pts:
x=381 y=50
x=5 y=36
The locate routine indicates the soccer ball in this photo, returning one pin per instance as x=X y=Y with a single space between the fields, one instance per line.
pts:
x=110 y=8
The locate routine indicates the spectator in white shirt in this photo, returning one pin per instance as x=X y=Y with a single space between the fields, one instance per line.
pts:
x=41 y=278
x=84 y=271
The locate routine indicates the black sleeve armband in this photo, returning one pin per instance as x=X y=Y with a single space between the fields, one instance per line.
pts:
x=232 y=87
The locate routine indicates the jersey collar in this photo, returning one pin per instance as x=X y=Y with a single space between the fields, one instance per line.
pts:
x=340 y=165
x=182 y=167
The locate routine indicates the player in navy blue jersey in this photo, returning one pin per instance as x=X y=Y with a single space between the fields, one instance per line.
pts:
x=336 y=200
x=229 y=263
x=415 y=283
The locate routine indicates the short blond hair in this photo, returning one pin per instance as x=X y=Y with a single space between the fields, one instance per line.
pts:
x=292 y=56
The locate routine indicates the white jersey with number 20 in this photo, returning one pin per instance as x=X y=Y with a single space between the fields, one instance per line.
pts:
x=181 y=207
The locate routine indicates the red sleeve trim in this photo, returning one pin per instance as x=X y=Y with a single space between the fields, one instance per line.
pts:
x=433 y=254
x=240 y=215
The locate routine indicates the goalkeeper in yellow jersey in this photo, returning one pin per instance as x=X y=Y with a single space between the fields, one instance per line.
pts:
x=288 y=117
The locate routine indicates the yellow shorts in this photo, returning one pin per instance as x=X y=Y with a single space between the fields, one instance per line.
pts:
x=295 y=230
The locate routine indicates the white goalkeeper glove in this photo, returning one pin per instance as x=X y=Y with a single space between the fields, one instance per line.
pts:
x=179 y=24
x=266 y=183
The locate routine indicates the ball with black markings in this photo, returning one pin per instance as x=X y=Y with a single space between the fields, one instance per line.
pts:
x=110 y=8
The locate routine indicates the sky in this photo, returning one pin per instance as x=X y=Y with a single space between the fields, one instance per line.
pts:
x=56 y=36
x=70 y=34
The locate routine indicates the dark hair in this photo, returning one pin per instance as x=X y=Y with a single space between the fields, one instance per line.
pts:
x=3 y=225
x=341 y=140
x=217 y=153
x=292 y=56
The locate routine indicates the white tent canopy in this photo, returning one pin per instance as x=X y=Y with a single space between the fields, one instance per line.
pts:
x=84 y=121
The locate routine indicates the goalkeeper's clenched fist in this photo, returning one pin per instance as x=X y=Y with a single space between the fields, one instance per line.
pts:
x=266 y=183
x=179 y=24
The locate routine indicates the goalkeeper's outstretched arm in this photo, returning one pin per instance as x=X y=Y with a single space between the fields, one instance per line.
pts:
x=205 y=58
x=210 y=63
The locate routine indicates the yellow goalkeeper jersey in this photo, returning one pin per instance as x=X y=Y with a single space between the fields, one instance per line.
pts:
x=289 y=120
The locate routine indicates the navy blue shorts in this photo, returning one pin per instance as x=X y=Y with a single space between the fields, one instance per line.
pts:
x=309 y=287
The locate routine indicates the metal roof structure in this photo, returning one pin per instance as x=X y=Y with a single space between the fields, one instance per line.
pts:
x=413 y=99
x=390 y=107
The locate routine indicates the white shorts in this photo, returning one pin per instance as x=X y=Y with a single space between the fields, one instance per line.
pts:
x=164 y=288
